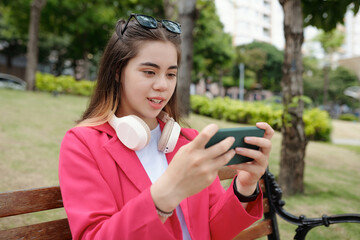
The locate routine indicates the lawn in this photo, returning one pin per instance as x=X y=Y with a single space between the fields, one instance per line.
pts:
x=32 y=126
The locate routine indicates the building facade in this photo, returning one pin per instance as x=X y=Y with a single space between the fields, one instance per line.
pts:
x=246 y=21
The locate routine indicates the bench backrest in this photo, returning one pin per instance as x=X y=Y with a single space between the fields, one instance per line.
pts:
x=30 y=201
x=40 y=199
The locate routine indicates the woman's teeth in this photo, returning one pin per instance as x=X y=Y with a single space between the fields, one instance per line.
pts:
x=155 y=100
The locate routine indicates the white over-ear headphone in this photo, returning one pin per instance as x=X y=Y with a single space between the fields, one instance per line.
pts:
x=134 y=133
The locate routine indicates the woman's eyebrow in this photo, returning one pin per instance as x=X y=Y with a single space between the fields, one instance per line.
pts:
x=150 y=64
x=173 y=67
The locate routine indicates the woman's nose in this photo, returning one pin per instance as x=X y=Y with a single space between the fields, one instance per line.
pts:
x=160 y=83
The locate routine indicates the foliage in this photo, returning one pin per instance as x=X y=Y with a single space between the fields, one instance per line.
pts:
x=330 y=41
x=71 y=30
x=348 y=117
x=213 y=51
x=63 y=84
x=317 y=122
x=271 y=70
x=327 y=14
x=313 y=80
x=340 y=79
x=12 y=40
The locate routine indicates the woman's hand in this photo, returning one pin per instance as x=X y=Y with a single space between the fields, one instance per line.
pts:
x=192 y=169
x=249 y=173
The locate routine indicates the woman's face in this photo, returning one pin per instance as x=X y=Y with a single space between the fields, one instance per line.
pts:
x=148 y=81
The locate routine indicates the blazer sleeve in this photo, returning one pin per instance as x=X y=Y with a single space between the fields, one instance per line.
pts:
x=91 y=207
x=227 y=215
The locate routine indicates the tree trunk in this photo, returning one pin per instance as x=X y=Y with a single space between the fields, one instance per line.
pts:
x=86 y=66
x=170 y=10
x=32 y=47
x=292 y=164
x=220 y=84
x=326 y=87
x=187 y=13
x=8 y=61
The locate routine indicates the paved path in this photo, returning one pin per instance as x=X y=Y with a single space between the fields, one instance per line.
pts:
x=355 y=142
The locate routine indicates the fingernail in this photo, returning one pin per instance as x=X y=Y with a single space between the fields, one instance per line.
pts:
x=248 y=139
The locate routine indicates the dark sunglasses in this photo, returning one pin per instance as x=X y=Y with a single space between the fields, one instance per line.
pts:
x=150 y=22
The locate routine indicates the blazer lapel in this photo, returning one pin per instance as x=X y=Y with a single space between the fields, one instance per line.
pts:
x=128 y=161
x=184 y=204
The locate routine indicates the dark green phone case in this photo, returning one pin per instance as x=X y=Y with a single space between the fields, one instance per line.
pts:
x=239 y=134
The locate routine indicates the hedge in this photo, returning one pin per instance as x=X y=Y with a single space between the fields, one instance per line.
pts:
x=63 y=84
x=317 y=122
x=348 y=117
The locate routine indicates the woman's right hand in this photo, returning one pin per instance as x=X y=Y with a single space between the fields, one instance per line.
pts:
x=192 y=169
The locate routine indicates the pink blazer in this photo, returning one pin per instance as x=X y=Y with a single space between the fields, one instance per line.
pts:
x=106 y=194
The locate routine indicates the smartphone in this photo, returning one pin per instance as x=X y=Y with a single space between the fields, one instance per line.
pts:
x=239 y=134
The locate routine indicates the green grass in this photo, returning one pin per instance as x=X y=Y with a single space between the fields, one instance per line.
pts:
x=32 y=126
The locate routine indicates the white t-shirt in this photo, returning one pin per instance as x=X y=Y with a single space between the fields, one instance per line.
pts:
x=155 y=164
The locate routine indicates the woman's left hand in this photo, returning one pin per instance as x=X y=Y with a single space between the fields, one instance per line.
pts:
x=249 y=173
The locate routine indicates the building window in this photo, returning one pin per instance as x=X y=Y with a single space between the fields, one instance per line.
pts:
x=267 y=5
x=266 y=18
x=266 y=32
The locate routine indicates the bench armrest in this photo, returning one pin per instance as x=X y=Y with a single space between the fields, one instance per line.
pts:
x=304 y=224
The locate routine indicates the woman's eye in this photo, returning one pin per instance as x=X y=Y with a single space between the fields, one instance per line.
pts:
x=171 y=75
x=149 y=73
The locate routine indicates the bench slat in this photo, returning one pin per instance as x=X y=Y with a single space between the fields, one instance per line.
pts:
x=55 y=230
x=226 y=173
x=27 y=201
x=257 y=230
x=266 y=206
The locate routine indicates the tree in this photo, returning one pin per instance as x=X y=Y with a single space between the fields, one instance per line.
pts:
x=255 y=59
x=322 y=14
x=292 y=164
x=32 y=47
x=213 y=50
x=170 y=9
x=187 y=14
x=313 y=80
x=330 y=42
x=340 y=79
x=73 y=30
x=271 y=72
x=12 y=40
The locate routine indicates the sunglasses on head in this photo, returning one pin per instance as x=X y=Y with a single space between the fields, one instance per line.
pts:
x=150 y=22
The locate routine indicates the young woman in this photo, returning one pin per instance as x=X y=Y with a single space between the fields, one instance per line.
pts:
x=127 y=170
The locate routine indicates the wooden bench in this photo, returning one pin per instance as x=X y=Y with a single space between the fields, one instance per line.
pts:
x=34 y=200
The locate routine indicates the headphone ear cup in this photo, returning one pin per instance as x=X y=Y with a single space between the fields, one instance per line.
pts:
x=169 y=136
x=132 y=131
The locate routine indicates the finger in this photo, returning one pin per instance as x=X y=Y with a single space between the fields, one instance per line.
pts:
x=269 y=131
x=220 y=148
x=263 y=143
x=258 y=156
x=224 y=158
x=204 y=136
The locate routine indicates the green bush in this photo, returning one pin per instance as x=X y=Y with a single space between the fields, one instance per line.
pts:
x=348 y=117
x=63 y=84
x=317 y=122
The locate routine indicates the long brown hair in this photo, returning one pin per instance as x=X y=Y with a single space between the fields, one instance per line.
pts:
x=119 y=50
